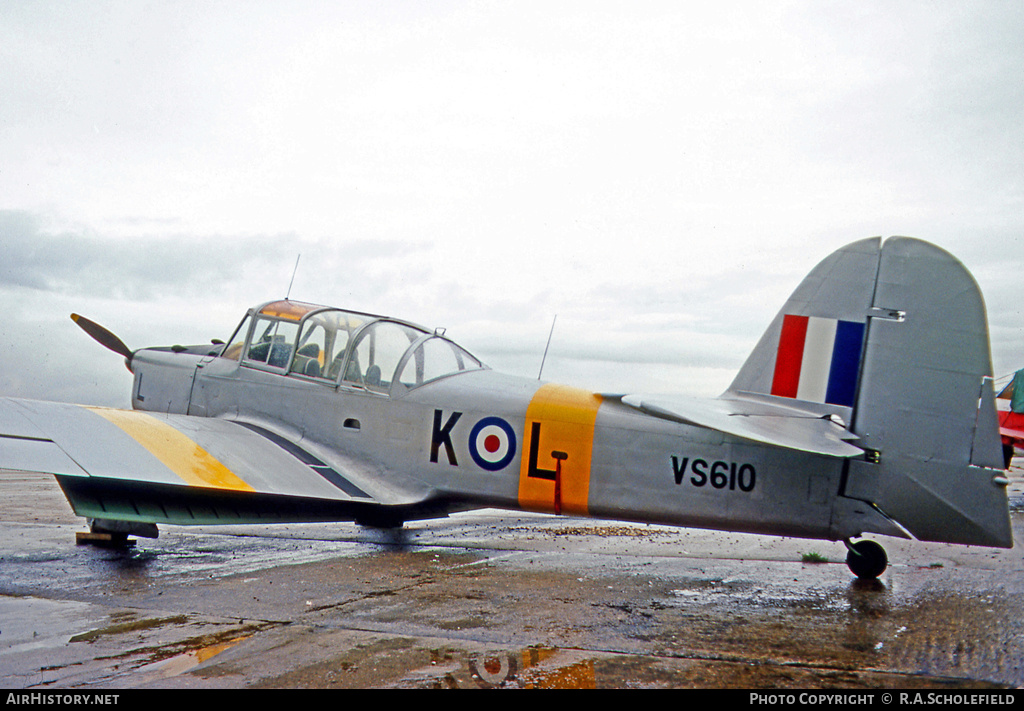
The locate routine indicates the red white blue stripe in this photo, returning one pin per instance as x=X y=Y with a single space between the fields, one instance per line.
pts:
x=818 y=359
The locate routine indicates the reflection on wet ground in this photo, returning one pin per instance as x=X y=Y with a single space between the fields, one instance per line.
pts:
x=491 y=600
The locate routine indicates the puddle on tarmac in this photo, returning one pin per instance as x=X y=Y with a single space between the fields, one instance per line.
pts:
x=747 y=592
x=34 y=623
x=128 y=625
x=31 y=623
x=181 y=663
x=46 y=642
x=543 y=667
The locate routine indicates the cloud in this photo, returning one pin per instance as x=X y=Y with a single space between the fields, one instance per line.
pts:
x=83 y=262
x=661 y=178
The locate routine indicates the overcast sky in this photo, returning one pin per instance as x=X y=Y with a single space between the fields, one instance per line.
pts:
x=660 y=175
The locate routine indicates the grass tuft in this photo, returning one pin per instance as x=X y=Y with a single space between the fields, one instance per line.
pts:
x=813 y=558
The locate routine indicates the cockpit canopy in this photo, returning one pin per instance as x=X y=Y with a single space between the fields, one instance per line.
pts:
x=349 y=348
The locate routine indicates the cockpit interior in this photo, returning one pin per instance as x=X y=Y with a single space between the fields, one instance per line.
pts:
x=345 y=348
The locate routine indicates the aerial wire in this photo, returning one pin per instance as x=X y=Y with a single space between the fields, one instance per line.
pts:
x=551 y=333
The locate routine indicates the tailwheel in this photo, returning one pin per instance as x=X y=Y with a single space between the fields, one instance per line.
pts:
x=866 y=559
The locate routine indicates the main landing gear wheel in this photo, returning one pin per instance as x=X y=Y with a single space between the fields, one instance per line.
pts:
x=866 y=559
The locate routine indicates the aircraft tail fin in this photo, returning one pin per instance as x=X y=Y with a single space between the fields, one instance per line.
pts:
x=812 y=350
x=892 y=336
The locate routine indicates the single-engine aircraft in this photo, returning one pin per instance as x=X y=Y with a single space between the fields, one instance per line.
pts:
x=866 y=407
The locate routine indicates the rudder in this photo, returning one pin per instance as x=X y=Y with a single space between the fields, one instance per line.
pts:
x=925 y=409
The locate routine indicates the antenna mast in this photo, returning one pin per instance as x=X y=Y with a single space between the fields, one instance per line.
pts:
x=551 y=333
x=293 y=276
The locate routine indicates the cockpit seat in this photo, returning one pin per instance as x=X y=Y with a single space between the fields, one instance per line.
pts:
x=335 y=369
x=307 y=360
x=279 y=355
x=372 y=379
x=312 y=368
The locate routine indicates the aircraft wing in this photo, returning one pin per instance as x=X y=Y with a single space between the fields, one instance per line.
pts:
x=755 y=418
x=127 y=465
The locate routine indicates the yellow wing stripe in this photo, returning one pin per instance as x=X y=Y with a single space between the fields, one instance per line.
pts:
x=566 y=418
x=174 y=449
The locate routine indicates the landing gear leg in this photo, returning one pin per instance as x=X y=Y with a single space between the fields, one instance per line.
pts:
x=866 y=559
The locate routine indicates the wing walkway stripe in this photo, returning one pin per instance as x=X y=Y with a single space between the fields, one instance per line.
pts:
x=174 y=449
x=311 y=461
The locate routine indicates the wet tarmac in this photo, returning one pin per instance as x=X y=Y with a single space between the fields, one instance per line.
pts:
x=493 y=599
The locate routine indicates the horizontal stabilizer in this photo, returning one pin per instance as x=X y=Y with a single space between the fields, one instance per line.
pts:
x=755 y=418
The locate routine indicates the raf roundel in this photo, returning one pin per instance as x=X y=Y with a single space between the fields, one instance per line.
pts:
x=492 y=443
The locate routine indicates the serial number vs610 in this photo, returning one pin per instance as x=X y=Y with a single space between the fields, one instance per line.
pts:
x=720 y=475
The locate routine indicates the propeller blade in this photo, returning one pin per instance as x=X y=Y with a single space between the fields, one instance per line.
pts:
x=102 y=336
